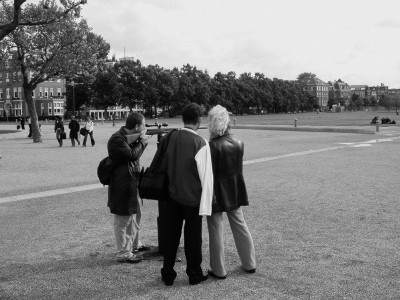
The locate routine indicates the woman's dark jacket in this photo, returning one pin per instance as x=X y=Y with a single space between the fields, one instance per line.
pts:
x=74 y=129
x=227 y=160
x=122 y=191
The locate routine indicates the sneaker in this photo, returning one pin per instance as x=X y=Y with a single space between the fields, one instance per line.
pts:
x=211 y=273
x=132 y=260
x=197 y=280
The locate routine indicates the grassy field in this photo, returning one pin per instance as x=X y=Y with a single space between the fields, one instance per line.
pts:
x=325 y=224
x=361 y=118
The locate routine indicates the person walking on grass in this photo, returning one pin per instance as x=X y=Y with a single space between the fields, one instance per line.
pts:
x=74 y=131
x=89 y=131
x=123 y=198
x=230 y=195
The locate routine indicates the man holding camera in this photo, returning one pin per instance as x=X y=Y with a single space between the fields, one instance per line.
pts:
x=123 y=199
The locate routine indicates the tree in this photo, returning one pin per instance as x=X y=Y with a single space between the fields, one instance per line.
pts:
x=305 y=77
x=12 y=15
x=131 y=78
x=52 y=51
x=106 y=90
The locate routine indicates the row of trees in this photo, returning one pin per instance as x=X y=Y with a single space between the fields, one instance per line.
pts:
x=129 y=83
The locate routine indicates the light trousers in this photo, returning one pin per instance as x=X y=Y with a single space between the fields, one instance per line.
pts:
x=127 y=233
x=243 y=241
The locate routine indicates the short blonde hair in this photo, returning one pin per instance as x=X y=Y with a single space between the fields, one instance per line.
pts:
x=218 y=121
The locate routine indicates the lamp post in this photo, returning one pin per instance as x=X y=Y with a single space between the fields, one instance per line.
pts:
x=73 y=97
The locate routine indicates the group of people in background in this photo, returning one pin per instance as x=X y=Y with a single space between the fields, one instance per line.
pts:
x=75 y=131
x=205 y=178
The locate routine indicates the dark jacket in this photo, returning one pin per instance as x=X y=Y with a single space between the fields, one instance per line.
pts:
x=74 y=127
x=122 y=191
x=59 y=125
x=229 y=186
x=179 y=161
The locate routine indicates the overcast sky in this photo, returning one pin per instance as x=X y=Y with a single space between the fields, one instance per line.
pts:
x=355 y=40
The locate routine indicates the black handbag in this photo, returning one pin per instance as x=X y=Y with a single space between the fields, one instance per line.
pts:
x=82 y=131
x=153 y=182
x=63 y=135
x=153 y=185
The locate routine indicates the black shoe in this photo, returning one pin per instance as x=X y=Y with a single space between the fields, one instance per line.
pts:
x=167 y=281
x=168 y=277
x=197 y=280
x=211 y=273
x=133 y=260
x=252 y=271
x=142 y=249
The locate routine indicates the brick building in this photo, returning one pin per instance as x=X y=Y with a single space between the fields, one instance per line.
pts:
x=49 y=96
x=320 y=89
x=339 y=91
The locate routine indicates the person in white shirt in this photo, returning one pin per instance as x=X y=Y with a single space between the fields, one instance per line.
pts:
x=89 y=131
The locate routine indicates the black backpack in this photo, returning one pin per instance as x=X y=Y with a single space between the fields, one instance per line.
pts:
x=105 y=169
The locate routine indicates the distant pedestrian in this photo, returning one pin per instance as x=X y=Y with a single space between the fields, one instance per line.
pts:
x=74 y=131
x=89 y=131
x=28 y=121
x=230 y=194
x=22 y=120
x=58 y=129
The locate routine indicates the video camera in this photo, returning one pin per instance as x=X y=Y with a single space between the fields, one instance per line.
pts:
x=159 y=130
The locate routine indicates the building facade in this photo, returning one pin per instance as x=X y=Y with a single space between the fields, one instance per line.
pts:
x=339 y=92
x=48 y=96
x=320 y=89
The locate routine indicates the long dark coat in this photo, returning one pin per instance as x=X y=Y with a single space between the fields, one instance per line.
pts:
x=74 y=129
x=229 y=186
x=122 y=191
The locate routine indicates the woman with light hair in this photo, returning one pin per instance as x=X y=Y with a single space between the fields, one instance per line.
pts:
x=230 y=194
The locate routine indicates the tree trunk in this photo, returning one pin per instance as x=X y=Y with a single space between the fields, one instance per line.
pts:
x=36 y=135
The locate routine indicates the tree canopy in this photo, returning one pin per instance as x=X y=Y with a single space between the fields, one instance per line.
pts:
x=12 y=15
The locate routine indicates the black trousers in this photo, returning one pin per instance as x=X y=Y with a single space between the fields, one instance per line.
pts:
x=175 y=214
x=91 y=138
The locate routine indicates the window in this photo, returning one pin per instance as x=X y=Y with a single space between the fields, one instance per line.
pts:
x=51 y=92
x=15 y=92
x=7 y=77
x=46 y=92
x=33 y=94
x=49 y=108
x=1 y=94
x=1 y=77
x=40 y=92
x=59 y=92
x=8 y=93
